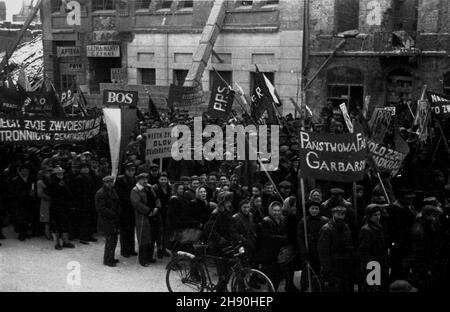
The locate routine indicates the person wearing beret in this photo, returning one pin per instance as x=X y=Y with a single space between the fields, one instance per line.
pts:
x=124 y=184
x=336 y=253
x=373 y=247
x=108 y=209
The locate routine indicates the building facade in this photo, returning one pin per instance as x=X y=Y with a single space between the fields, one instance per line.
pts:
x=392 y=49
x=146 y=45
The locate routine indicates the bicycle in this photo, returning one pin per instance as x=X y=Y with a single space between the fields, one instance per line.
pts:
x=190 y=272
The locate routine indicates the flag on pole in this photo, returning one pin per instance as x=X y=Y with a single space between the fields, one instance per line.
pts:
x=222 y=98
x=120 y=124
x=260 y=98
x=272 y=91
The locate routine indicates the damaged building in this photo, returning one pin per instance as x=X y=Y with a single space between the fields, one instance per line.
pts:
x=379 y=51
x=147 y=45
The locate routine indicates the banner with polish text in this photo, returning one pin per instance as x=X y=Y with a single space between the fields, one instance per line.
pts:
x=43 y=130
x=337 y=157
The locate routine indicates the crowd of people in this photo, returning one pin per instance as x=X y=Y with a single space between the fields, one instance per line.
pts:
x=66 y=196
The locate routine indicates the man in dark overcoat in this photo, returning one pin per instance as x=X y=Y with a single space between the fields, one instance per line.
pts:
x=143 y=211
x=124 y=185
x=108 y=208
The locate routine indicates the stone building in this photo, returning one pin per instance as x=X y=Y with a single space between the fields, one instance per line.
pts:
x=2 y=11
x=391 y=49
x=150 y=44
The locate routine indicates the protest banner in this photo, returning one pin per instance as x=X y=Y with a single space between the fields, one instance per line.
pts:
x=221 y=101
x=337 y=157
x=184 y=97
x=159 y=143
x=379 y=124
x=45 y=130
x=10 y=100
x=386 y=159
x=440 y=104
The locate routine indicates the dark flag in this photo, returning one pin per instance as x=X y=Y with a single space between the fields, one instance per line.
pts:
x=260 y=97
x=221 y=101
x=25 y=99
x=152 y=110
x=57 y=109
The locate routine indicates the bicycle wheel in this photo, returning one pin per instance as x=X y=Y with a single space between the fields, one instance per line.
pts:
x=251 y=280
x=184 y=275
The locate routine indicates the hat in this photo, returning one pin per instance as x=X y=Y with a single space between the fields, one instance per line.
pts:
x=401 y=286
x=87 y=153
x=337 y=191
x=58 y=170
x=338 y=209
x=429 y=210
x=373 y=208
x=130 y=166
x=311 y=203
x=142 y=176
x=153 y=166
x=108 y=179
x=185 y=179
x=430 y=200
x=285 y=184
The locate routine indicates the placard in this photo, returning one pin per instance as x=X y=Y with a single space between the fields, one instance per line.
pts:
x=68 y=51
x=103 y=51
x=159 y=143
x=120 y=98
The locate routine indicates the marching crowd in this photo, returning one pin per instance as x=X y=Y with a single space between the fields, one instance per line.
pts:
x=69 y=196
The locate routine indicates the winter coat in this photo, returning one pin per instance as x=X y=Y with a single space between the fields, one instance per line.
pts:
x=177 y=215
x=245 y=229
x=143 y=206
x=61 y=202
x=84 y=188
x=273 y=237
x=164 y=197
x=372 y=246
x=23 y=203
x=45 y=200
x=335 y=250
x=124 y=185
x=313 y=226
x=425 y=243
x=218 y=231
x=199 y=212
x=108 y=208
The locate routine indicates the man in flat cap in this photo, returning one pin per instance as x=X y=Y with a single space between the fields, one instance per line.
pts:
x=336 y=252
x=108 y=208
x=373 y=247
x=124 y=185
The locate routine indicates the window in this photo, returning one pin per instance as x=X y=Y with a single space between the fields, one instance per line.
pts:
x=345 y=85
x=166 y=4
x=226 y=75
x=272 y=2
x=179 y=76
x=56 y=6
x=143 y=4
x=446 y=86
x=68 y=82
x=246 y=3
x=187 y=4
x=347 y=15
x=148 y=76
x=269 y=75
x=98 y=5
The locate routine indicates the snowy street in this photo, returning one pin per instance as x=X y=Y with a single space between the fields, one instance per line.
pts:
x=35 y=265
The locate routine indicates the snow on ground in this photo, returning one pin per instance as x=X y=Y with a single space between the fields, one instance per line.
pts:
x=35 y=265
